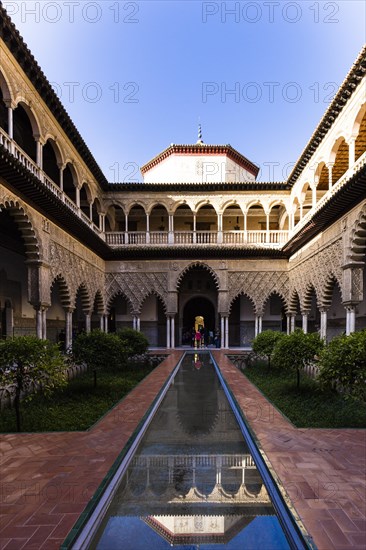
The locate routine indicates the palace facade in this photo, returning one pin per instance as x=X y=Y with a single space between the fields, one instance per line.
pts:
x=198 y=236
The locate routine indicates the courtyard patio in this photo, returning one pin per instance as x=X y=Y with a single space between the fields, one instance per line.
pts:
x=47 y=479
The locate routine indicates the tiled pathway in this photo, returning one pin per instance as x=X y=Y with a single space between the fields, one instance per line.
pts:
x=47 y=479
x=323 y=471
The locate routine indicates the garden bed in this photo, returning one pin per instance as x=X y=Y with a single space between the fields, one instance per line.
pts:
x=76 y=407
x=306 y=406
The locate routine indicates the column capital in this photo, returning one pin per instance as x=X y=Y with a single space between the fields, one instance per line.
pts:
x=41 y=306
x=353 y=265
x=314 y=184
x=37 y=263
x=39 y=139
x=10 y=104
x=350 y=305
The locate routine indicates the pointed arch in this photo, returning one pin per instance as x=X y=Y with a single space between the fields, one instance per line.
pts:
x=119 y=292
x=294 y=303
x=64 y=291
x=30 y=237
x=247 y=295
x=98 y=303
x=200 y=265
x=278 y=293
x=357 y=244
x=310 y=291
x=327 y=293
x=155 y=293
x=83 y=292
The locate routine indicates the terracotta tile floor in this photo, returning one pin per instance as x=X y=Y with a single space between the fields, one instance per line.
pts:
x=47 y=479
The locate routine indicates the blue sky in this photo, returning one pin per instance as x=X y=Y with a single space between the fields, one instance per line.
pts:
x=136 y=76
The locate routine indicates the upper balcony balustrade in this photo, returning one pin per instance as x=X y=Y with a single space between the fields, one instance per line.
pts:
x=13 y=148
x=359 y=163
x=270 y=238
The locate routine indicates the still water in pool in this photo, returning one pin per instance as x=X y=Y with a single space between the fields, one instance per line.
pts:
x=192 y=482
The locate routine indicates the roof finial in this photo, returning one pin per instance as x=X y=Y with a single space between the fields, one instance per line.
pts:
x=199 y=141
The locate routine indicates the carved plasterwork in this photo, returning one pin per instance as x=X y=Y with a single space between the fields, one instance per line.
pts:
x=23 y=213
x=357 y=283
x=74 y=270
x=136 y=287
x=317 y=271
x=258 y=286
x=357 y=243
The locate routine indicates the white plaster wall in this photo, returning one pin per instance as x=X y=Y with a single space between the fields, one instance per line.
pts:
x=236 y=173
x=197 y=169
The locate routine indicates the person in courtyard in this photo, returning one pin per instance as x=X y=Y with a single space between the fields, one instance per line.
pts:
x=198 y=339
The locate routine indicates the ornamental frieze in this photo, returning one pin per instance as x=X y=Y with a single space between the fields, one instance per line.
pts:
x=318 y=270
x=258 y=286
x=136 y=287
x=74 y=270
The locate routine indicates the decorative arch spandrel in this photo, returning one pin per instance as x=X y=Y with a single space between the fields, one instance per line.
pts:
x=136 y=286
x=316 y=271
x=258 y=285
x=74 y=269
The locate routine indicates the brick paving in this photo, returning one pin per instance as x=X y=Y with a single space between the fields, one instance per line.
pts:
x=323 y=471
x=47 y=479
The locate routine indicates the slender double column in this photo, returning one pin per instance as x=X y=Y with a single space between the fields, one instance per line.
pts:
x=350 y=319
x=258 y=323
x=170 y=331
x=41 y=322
x=224 y=331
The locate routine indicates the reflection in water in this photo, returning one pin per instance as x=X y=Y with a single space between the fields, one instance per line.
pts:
x=192 y=481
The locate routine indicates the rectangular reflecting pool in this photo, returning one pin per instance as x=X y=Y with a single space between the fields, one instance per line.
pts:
x=192 y=481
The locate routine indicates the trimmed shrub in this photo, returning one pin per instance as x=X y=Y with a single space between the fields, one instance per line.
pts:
x=27 y=363
x=135 y=342
x=343 y=364
x=296 y=350
x=100 y=350
x=265 y=342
